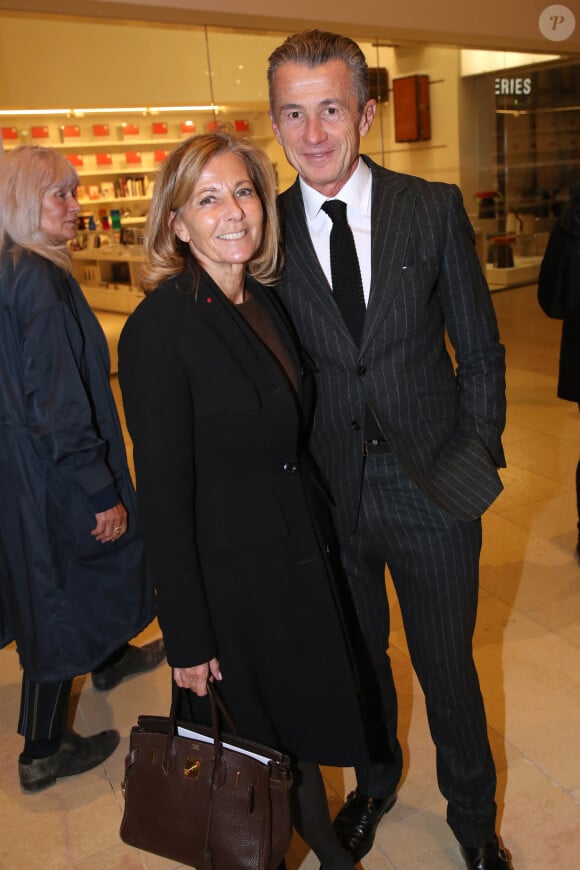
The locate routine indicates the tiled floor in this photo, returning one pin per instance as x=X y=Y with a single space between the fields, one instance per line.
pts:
x=527 y=649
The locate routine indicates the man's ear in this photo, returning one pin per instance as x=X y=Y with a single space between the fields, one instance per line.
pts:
x=275 y=128
x=367 y=117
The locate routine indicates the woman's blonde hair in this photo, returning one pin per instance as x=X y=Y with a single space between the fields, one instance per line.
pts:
x=165 y=254
x=25 y=176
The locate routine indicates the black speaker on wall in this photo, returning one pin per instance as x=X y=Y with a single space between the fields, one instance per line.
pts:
x=378 y=84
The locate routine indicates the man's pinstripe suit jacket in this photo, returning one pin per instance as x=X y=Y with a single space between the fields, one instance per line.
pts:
x=443 y=418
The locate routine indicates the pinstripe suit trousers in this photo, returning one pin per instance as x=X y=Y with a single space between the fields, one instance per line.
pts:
x=43 y=709
x=433 y=559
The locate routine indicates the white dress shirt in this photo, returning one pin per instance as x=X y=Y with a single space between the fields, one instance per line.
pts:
x=357 y=195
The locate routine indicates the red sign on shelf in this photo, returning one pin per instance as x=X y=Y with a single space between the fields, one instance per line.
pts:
x=133 y=157
x=100 y=129
x=9 y=133
x=159 y=156
x=188 y=127
x=159 y=128
x=39 y=132
x=70 y=131
x=130 y=129
x=104 y=159
x=75 y=159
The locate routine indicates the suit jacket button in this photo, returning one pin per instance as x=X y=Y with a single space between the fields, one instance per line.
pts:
x=354 y=424
x=361 y=371
x=290 y=467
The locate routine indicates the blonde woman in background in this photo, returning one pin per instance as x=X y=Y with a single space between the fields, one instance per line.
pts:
x=73 y=589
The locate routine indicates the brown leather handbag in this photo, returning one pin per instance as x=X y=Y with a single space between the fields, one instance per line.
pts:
x=204 y=797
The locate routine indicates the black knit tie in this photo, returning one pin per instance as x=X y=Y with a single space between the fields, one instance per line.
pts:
x=346 y=278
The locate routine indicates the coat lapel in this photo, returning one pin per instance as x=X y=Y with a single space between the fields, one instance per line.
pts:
x=218 y=312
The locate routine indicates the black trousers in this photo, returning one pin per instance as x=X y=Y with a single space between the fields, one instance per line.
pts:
x=434 y=562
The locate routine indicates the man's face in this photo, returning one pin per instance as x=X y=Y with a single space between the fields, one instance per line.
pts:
x=316 y=119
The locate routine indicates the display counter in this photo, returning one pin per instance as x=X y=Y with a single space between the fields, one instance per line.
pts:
x=109 y=276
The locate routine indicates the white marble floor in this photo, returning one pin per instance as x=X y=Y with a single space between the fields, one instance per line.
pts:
x=527 y=649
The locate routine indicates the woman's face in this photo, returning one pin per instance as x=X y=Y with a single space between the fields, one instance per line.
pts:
x=222 y=219
x=58 y=213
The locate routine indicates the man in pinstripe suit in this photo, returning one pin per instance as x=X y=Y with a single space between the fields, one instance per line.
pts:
x=409 y=442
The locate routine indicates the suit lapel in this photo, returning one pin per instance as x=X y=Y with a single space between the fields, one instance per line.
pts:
x=392 y=211
x=307 y=277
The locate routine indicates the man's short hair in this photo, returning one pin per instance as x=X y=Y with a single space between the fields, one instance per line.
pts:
x=314 y=47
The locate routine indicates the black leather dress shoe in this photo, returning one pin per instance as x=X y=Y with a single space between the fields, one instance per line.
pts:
x=356 y=822
x=137 y=660
x=491 y=856
x=76 y=755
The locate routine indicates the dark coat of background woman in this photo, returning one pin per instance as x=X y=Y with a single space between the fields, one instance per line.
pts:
x=67 y=599
x=559 y=297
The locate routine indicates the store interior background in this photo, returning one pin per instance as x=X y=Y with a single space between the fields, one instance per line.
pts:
x=522 y=147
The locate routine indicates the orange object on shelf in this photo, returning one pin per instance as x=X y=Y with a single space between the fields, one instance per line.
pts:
x=70 y=131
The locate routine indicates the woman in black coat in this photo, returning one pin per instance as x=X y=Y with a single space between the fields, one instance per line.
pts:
x=559 y=297
x=73 y=589
x=232 y=512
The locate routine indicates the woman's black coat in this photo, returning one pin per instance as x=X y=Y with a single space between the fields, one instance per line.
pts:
x=225 y=495
x=560 y=279
x=68 y=600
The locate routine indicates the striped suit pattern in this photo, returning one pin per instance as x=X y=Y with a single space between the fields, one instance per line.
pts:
x=418 y=507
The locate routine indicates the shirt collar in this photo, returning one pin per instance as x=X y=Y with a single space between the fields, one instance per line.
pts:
x=356 y=193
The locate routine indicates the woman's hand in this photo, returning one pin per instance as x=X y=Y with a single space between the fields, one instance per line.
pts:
x=111 y=524
x=197 y=678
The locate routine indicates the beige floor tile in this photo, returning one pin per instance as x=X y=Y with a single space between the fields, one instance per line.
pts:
x=117 y=857
x=63 y=825
x=503 y=540
x=417 y=839
x=540 y=824
x=531 y=684
x=562 y=615
x=515 y=432
x=550 y=514
x=547 y=573
x=523 y=487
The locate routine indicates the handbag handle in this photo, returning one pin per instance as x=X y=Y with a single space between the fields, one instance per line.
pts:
x=219 y=712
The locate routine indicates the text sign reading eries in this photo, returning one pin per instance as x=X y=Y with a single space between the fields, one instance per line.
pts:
x=512 y=86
